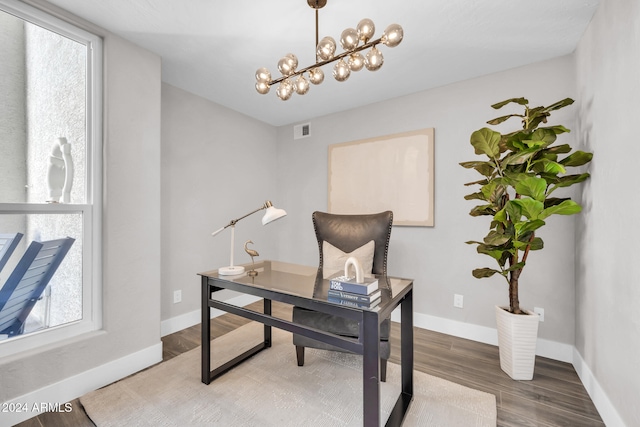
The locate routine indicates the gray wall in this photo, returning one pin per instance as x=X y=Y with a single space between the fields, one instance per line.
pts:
x=217 y=165
x=131 y=234
x=607 y=271
x=437 y=257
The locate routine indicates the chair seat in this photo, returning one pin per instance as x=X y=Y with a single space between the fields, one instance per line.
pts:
x=335 y=324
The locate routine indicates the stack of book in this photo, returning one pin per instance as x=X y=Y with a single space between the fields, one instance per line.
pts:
x=346 y=291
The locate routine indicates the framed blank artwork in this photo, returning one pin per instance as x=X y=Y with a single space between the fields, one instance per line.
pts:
x=393 y=172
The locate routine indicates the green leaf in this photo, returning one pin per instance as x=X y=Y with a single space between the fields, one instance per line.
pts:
x=560 y=104
x=482 y=210
x=529 y=226
x=552 y=201
x=558 y=129
x=546 y=135
x=500 y=216
x=484 y=168
x=494 y=253
x=475 y=196
x=501 y=119
x=520 y=101
x=550 y=167
x=560 y=149
x=493 y=191
x=568 y=207
x=481 y=273
x=486 y=141
x=519 y=245
x=578 y=158
x=532 y=187
x=481 y=182
x=518 y=157
x=516 y=266
x=514 y=211
x=536 y=244
x=496 y=239
x=528 y=208
x=569 y=180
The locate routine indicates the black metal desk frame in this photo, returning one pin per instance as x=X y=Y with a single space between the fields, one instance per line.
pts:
x=367 y=346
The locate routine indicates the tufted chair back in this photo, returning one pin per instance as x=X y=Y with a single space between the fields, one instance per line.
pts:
x=349 y=232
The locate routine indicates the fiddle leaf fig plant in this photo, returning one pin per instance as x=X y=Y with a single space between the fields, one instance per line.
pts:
x=520 y=172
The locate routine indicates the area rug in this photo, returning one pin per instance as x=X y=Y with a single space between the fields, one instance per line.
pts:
x=271 y=390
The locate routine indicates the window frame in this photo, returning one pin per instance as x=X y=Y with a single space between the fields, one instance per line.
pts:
x=91 y=209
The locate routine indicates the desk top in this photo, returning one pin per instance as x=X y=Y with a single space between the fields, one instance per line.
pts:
x=304 y=281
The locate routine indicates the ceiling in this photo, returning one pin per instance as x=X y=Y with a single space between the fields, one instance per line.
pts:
x=213 y=47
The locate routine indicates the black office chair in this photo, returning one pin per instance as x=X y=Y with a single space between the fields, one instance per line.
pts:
x=347 y=233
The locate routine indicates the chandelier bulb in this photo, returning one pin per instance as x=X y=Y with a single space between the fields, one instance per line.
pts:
x=285 y=90
x=301 y=85
x=366 y=29
x=356 y=61
x=341 y=71
x=316 y=75
x=349 y=39
x=263 y=75
x=374 y=59
x=392 y=35
x=326 y=48
x=288 y=64
x=262 y=87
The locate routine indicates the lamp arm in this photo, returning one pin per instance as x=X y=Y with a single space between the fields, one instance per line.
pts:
x=233 y=222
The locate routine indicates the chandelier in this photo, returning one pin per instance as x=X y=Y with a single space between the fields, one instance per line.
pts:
x=349 y=60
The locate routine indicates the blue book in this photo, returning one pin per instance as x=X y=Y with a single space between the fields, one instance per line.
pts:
x=349 y=284
x=354 y=304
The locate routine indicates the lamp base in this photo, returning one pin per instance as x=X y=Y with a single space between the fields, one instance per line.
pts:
x=231 y=271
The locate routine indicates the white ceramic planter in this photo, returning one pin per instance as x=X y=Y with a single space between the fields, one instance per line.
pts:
x=517 y=337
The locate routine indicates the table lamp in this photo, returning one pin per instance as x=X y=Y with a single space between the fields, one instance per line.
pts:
x=270 y=215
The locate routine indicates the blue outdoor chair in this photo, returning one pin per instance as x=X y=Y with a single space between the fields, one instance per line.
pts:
x=8 y=243
x=27 y=282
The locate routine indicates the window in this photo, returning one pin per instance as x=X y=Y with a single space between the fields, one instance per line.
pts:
x=50 y=140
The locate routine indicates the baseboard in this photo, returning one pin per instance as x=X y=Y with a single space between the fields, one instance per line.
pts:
x=545 y=348
x=54 y=396
x=606 y=409
x=187 y=320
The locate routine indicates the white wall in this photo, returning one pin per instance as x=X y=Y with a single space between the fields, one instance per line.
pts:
x=217 y=165
x=130 y=338
x=437 y=257
x=607 y=271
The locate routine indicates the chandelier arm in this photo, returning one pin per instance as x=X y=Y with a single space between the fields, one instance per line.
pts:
x=327 y=61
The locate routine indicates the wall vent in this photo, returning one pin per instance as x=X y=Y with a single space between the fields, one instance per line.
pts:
x=302 y=131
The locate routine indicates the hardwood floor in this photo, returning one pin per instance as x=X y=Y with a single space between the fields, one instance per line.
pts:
x=555 y=396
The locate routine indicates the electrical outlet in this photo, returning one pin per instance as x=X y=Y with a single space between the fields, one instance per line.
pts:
x=458 y=300
x=540 y=312
x=177 y=296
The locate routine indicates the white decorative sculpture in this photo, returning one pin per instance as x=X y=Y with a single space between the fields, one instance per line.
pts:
x=60 y=172
x=353 y=261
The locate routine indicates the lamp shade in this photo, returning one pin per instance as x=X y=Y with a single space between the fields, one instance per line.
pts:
x=272 y=214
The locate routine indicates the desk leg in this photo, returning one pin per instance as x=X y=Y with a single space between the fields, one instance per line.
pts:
x=406 y=336
x=205 y=339
x=267 y=329
x=371 y=369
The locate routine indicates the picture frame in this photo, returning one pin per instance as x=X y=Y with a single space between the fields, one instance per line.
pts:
x=392 y=172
